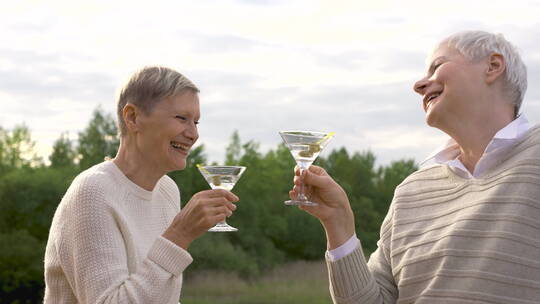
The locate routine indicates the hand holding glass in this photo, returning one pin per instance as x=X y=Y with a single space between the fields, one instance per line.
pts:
x=222 y=177
x=305 y=147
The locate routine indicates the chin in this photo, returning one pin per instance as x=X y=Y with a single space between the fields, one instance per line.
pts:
x=180 y=165
x=429 y=122
x=431 y=119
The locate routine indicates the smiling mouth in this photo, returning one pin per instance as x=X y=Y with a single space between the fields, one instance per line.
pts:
x=430 y=101
x=179 y=146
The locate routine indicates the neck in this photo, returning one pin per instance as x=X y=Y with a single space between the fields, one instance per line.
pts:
x=473 y=136
x=136 y=167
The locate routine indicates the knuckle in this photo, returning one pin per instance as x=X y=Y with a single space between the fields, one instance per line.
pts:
x=205 y=210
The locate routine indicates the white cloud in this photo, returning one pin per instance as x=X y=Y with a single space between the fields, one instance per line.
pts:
x=344 y=66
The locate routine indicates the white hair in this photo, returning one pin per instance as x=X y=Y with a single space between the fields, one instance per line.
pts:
x=476 y=45
x=147 y=87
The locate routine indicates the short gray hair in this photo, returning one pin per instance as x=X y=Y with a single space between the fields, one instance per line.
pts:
x=148 y=86
x=476 y=45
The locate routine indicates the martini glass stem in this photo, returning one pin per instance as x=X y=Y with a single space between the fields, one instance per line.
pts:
x=301 y=191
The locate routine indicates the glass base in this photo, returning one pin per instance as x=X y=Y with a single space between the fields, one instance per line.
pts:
x=222 y=227
x=303 y=203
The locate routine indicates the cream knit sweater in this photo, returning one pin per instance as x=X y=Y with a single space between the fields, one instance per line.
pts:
x=447 y=239
x=105 y=243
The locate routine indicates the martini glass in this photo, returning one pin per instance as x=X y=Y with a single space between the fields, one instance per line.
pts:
x=222 y=177
x=305 y=147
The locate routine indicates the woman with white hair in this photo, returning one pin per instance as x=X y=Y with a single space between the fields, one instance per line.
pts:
x=118 y=235
x=464 y=228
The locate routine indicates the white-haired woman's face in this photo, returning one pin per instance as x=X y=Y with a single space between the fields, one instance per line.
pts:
x=168 y=132
x=450 y=88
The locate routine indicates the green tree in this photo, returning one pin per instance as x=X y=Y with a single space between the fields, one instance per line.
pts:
x=270 y=233
x=21 y=268
x=98 y=140
x=17 y=148
x=234 y=150
x=63 y=154
x=28 y=199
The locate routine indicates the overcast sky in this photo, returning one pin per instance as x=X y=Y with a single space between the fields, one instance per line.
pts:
x=262 y=65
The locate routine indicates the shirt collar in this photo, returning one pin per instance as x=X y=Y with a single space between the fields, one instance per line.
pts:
x=450 y=149
x=514 y=129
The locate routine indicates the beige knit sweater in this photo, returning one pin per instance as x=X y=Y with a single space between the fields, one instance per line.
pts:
x=105 y=243
x=452 y=240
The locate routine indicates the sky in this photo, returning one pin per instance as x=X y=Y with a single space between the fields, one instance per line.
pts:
x=262 y=65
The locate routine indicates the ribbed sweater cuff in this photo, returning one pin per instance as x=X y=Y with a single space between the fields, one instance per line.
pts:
x=169 y=256
x=350 y=276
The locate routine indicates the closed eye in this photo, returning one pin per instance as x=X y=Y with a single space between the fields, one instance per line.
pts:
x=185 y=118
x=436 y=64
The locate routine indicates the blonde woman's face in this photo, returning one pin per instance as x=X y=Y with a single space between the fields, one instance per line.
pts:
x=169 y=131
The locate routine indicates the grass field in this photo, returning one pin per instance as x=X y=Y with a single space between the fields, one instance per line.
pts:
x=299 y=282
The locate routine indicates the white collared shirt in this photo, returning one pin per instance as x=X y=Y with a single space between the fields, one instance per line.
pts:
x=448 y=154
x=503 y=140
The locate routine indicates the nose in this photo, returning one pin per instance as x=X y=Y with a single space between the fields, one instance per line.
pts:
x=192 y=132
x=421 y=85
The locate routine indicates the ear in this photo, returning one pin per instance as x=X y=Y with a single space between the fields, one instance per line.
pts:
x=130 y=114
x=496 y=67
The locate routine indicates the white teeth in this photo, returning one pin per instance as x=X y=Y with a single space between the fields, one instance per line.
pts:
x=433 y=97
x=430 y=99
x=179 y=146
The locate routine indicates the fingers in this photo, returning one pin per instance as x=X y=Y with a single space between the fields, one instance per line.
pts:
x=211 y=221
x=316 y=177
x=293 y=194
x=317 y=170
x=215 y=202
x=313 y=169
x=211 y=211
x=215 y=193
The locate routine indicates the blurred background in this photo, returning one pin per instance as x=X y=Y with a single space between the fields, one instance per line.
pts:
x=262 y=66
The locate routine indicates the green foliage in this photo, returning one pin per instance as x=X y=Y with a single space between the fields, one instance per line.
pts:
x=28 y=199
x=270 y=234
x=64 y=153
x=98 y=140
x=233 y=151
x=16 y=148
x=215 y=251
x=21 y=268
x=29 y=194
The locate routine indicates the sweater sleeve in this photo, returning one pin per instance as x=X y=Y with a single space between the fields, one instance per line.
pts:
x=92 y=253
x=354 y=281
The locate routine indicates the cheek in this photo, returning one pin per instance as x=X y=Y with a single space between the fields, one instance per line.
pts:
x=442 y=74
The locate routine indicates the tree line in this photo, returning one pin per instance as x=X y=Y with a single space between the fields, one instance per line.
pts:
x=270 y=233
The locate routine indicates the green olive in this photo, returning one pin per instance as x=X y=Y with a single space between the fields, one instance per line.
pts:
x=314 y=148
x=216 y=180
x=305 y=153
